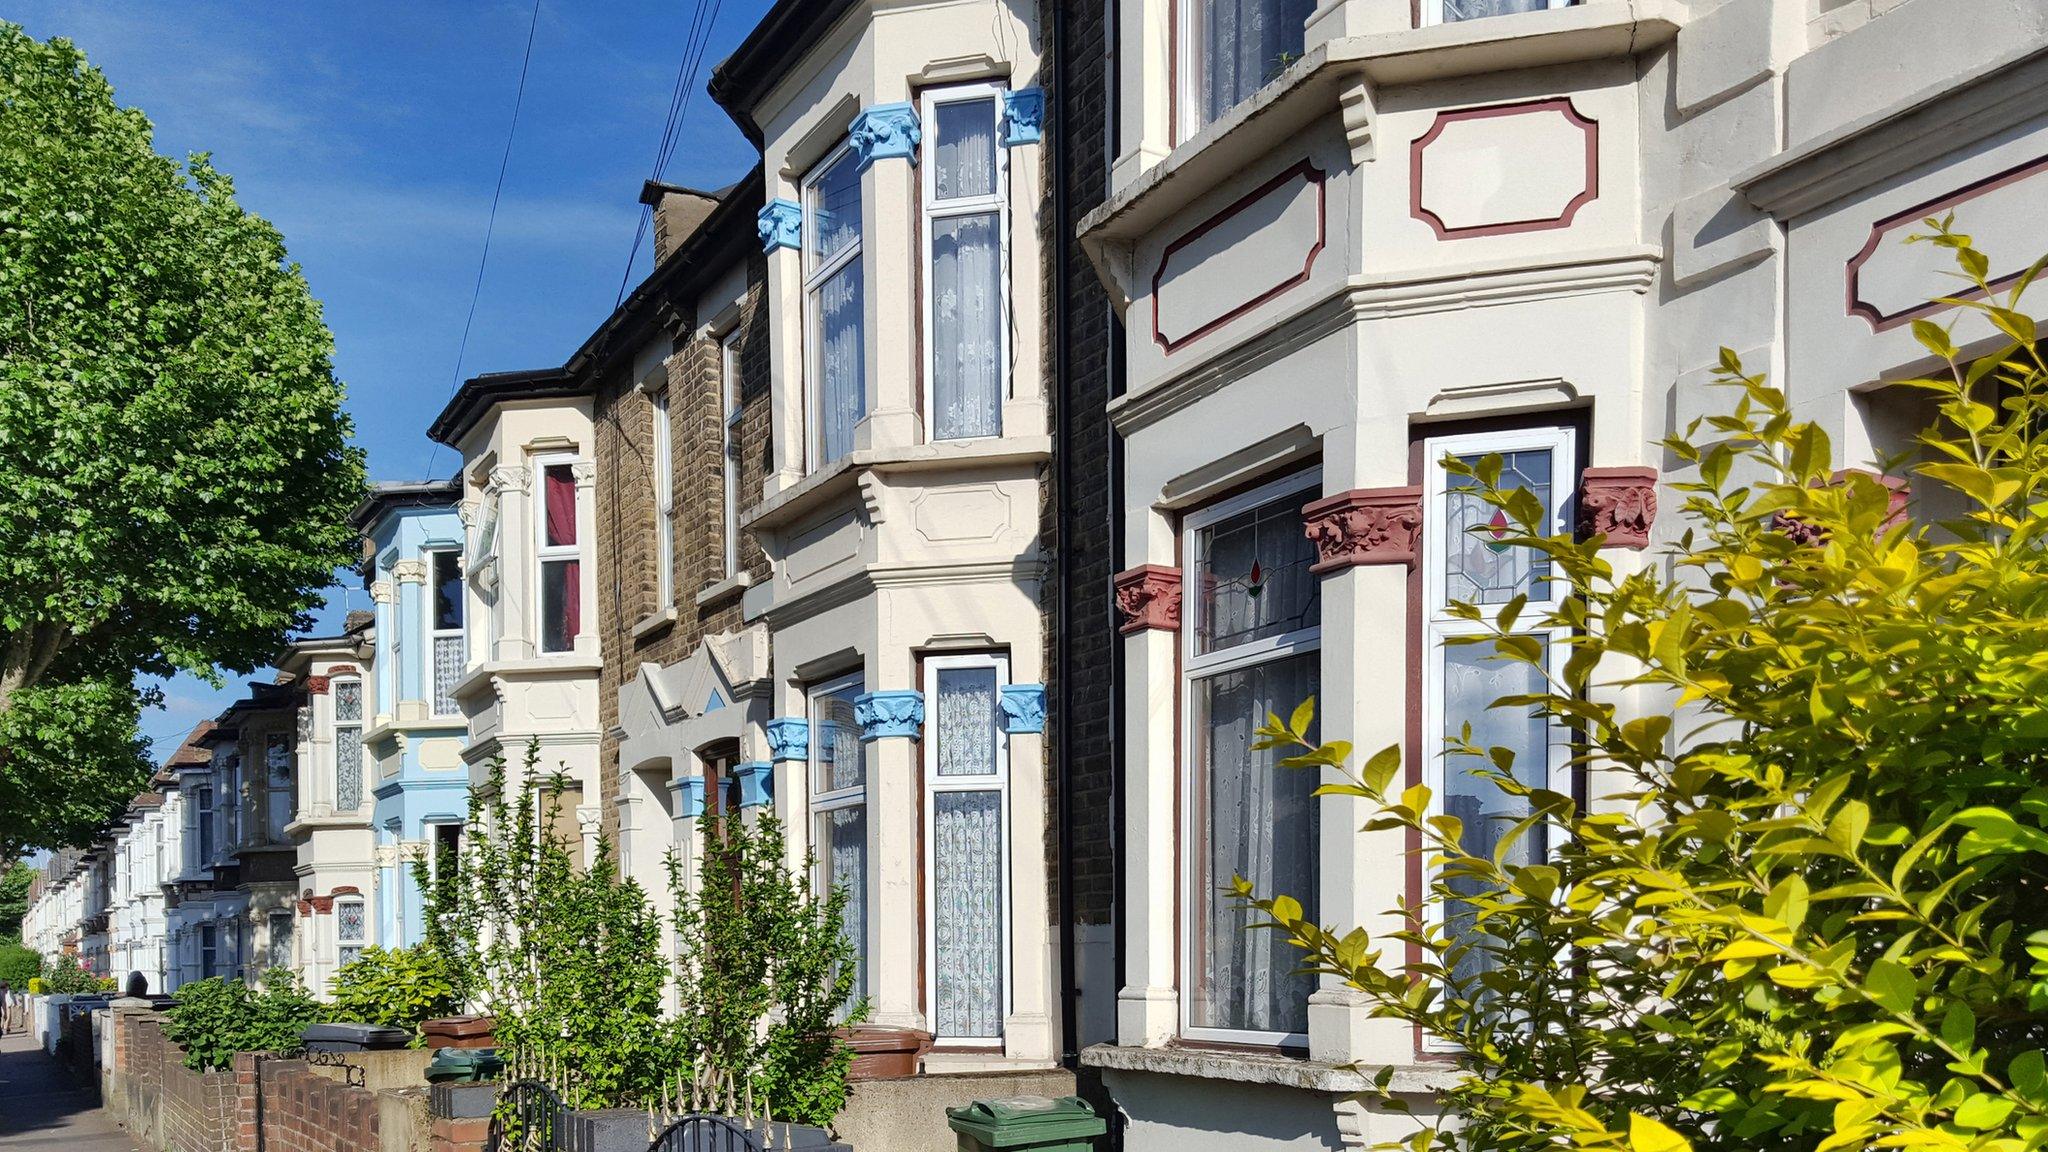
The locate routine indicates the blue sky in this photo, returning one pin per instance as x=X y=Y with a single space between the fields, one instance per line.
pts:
x=370 y=133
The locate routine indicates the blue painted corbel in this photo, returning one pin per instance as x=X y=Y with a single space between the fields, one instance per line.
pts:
x=1023 y=708
x=885 y=132
x=756 y=781
x=1023 y=116
x=780 y=225
x=885 y=714
x=789 y=738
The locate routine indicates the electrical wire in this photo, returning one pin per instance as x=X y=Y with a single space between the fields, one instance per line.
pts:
x=491 y=221
x=695 y=44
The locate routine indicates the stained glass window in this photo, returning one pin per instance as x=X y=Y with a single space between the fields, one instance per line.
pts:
x=1480 y=567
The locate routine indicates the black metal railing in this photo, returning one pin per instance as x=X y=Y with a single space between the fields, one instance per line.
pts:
x=701 y=1132
x=528 y=1115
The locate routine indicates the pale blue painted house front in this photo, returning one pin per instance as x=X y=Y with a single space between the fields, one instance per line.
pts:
x=414 y=572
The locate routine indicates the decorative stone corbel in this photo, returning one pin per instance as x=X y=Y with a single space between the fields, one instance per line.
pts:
x=1620 y=504
x=882 y=715
x=789 y=738
x=1358 y=104
x=585 y=472
x=1023 y=116
x=318 y=685
x=885 y=132
x=1023 y=708
x=780 y=224
x=757 y=783
x=381 y=592
x=689 y=792
x=1148 y=596
x=409 y=572
x=1364 y=526
x=509 y=478
x=1802 y=532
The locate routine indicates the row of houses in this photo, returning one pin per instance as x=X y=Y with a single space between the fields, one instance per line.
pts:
x=1066 y=389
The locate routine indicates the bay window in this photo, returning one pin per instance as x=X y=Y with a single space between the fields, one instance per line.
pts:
x=966 y=869
x=1232 y=48
x=348 y=745
x=663 y=476
x=1250 y=647
x=349 y=929
x=729 y=445
x=1448 y=11
x=964 y=232
x=839 y=809
x=444 y=628
x=834 y=306
x=202 y=823
x=1466 y=560
x=561 y=559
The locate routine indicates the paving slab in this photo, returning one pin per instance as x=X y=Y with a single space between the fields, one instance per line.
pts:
x=42 y=1107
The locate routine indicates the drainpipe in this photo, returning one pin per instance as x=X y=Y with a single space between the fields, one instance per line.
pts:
x=1063 y=471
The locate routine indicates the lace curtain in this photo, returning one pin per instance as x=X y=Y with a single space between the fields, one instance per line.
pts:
x=967 y=891
x=281 y=940
x=448 y=661
x=1260 y=824
x=1473 y=680
x=348 y=745
x=966 y=277
x=838 y=766
x=845 y=832
x=842 y=367
x=1246 y=43
x=966 y=728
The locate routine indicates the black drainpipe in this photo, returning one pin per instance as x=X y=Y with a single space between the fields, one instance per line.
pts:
x=1062 y=358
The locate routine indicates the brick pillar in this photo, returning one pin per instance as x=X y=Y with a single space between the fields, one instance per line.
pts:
x=243 y=1124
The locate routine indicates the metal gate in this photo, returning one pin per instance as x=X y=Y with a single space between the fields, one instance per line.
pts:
x=526 y=1119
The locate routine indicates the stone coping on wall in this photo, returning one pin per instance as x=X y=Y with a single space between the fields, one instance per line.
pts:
x=1267 y=1068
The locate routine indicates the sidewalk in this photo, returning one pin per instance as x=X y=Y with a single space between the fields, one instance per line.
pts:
x=42 y=1108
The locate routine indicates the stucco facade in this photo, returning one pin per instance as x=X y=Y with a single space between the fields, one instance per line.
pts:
x=1527 y=234
x=331 y=828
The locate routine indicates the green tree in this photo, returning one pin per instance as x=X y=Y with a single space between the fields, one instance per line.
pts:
x=14 y=886
x=175 y=465
x=1809 y=910
x=397 y=987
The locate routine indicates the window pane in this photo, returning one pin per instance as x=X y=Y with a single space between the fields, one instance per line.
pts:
x=967 y=927
x=349 y=921
x=1256 y=820
x=280 y=939
x=1480 y=567
x=448 y=663
x=842 y=362
x=559 y=495
x=447 y=591
x=1473 y=680
x=844 y=832
x=835 y=208
x=964 y=163
x=967 y=326
x=561 y=604
x=348 y=768
x=1474 y=9
x=348 y=700
x=836 y=750
x=1246 y=43
x=1254 y=580
x=966 y=728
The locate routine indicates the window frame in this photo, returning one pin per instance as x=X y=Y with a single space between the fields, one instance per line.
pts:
x=1186 y=53
x=1432 y=12
x=661 y=475
x=430 y=558
x=545 y=553
x=277 y=787
x=1306 y=483
x=933 y=786
x=1437 y=624
x=815 y=274
x=933 y=210
x=334 y=711
x=362 y=939
x=823 y=802
x=291 y=926
x=206 y=839
x=729 y=444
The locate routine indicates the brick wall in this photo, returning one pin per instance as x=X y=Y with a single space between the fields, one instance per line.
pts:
x=197 y=1110
x=1085 y=560
x=304 y=1111
x=626 y=531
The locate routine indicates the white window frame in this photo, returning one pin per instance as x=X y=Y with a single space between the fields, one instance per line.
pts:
x=936 y=210
x=206 y=835
x=277 y=794
x=334 y=710
x=1438 y=624
x=341 y=943
x=433 y=829
x=1433 y=11
x=209 y=950
x=270 y=944
x=729 y=444
x=814 y=279
x=545 y=553
x=823 y=802
x=1187 y=59
x=934 y=785
x=429 y=557
x=662 y=475
x=1307 y=484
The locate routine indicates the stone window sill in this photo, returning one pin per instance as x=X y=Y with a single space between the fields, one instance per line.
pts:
x=1255 y=1067
x=725 y=589
x=653 y=623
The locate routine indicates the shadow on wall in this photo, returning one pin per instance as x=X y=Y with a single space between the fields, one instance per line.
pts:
x=1195 y=1115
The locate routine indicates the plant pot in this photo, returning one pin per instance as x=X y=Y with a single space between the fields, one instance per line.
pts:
x=885 y=1053
x=459 y=1032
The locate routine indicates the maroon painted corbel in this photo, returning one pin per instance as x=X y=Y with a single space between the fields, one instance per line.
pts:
x=1148 y=596
x=1803 y=533
x=1620 y=504
x=1364 y=526
x=317 y=685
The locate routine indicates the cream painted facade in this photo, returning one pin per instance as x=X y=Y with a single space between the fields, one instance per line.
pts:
x=909 y=555
x=520 y=689
x=1530 y=233
x=331 y=827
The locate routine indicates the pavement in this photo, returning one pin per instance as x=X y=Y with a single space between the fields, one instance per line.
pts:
x=43 y=1109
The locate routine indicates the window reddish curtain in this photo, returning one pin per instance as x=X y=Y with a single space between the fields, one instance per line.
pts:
x=572 y=600
x=561 y=505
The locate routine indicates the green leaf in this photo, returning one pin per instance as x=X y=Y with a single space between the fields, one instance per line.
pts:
x=1891 y=987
